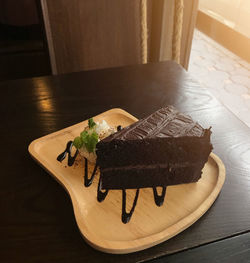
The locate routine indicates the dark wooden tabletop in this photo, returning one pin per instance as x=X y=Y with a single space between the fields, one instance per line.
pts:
x=37 y=221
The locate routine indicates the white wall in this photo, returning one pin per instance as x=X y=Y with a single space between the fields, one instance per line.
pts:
x=234 y=13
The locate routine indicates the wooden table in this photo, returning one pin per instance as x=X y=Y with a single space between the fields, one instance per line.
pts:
x=37 y=221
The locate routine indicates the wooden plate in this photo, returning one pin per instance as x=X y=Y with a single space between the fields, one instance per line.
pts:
x=100 y=223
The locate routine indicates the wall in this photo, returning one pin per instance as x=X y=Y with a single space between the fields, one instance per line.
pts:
x=233 y=13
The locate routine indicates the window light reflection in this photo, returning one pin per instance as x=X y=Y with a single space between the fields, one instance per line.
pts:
x=44 y=96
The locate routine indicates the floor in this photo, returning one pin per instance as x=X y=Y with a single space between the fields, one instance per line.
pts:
x=226 y=75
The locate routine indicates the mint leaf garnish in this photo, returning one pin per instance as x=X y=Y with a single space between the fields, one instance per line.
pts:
x=83 y=136
x=87 y=138
x=78 y=142
x=91 y=141
x=91 y=123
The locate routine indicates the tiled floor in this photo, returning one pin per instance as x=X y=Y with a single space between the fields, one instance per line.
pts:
x=223 y=73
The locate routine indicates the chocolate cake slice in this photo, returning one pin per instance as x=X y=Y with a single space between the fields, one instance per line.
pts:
x=165 y=148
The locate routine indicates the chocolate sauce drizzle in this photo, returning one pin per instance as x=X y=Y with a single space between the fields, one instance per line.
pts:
x=63 y=155
x=126 y=216
x=159 y=199
x=101 y=195
x=119 y=128
x=88 y=181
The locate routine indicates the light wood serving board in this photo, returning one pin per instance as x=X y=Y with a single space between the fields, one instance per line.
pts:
x=100 y=223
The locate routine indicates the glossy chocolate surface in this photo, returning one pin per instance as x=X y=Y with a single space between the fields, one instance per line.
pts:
x=165 y=122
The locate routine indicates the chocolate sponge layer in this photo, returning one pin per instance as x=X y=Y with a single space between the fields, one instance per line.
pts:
x=131 y=177
x=150 y=151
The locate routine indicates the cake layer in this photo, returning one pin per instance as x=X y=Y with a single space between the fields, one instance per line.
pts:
x=140 y=176
x=149 y=151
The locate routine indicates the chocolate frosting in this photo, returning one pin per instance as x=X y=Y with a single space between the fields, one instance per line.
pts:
x=166 y=122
